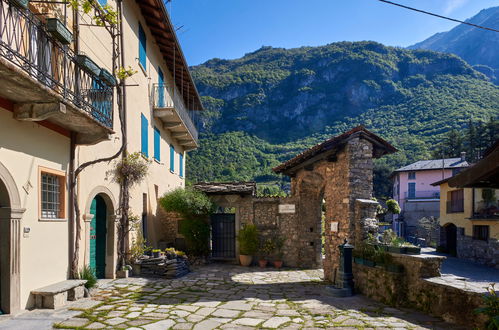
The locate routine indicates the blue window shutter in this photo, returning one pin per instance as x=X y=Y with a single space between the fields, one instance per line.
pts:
x=181 y=165
x=103 y=2
x=172 y=158
x=142 y=47
x=144 y=136
x=161 y=88
x=157 y=139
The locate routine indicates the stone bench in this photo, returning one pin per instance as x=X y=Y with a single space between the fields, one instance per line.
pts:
x=55 y=295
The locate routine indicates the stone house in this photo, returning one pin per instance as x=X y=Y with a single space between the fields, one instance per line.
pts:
x=413 y=190
x=58 y=110
x=469 y=211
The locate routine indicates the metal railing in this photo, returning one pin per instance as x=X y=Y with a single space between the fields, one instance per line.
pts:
x=455 y=206
x=431 y=194
x=25 y=42
x=164 y=96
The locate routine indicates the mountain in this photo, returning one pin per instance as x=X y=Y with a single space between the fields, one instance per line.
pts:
x=476 y=46
x=272 y=103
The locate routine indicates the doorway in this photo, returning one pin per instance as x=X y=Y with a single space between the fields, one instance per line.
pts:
x=451 y=238
x=98 y=234
x=223 y=235
x=4 y=272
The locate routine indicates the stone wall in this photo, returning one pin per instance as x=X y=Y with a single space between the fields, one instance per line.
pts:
x=421 y=287
x=484 y=252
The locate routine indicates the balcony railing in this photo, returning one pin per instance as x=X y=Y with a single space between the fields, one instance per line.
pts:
x=25 y=42
x=166 y=97
x=455 y=206
x=485 y=210
x=423 y=195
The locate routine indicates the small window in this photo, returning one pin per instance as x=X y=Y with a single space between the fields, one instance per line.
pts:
x=411 y=187
x=157 y=142
x=481 y=233
x=144 y=138
x=172 y=158
x=142 y=48
x=412 y=175
x=455 y=201
x=181 y=165
x=52 y=195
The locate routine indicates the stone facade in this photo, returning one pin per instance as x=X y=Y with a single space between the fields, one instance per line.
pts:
x=483 y=252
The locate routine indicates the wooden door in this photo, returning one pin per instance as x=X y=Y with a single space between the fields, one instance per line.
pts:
x=98 y=234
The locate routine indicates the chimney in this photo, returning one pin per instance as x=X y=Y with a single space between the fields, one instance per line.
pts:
x=463 y=156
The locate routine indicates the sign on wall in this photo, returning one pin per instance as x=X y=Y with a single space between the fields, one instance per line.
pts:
x=287 y=208
x=334 y=227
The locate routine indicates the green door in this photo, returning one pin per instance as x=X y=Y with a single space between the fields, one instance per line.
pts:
x=98 y=237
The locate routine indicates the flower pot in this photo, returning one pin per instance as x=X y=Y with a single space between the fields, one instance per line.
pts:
x=122 y=273
x=107 y=77
x=59 y=31
x=245 y=260
x=88 y=65
x=278 y=264
x=413 y=250
x=156 y=254
x=262 y=263
x=358 y=261
x=148 y=253
x=20 y=3
x=396 y=249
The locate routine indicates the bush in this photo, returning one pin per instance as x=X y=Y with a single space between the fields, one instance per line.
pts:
x=393 y=206
x=197 y=236
x=188 y=202
x=491 y=307
x=248 y=240
x=87 y=273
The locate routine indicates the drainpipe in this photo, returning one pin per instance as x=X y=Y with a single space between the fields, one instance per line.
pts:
x=123 y=85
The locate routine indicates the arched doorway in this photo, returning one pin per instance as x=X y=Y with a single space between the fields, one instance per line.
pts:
x=98 y=236
x=451 y=238
x=4 y=274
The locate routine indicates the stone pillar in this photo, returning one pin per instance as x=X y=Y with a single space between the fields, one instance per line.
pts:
x=87 y=219
x=365 y=219
x=10 y=252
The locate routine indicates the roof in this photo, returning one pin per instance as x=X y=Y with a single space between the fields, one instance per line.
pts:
x=434 y=164
x=484 y=174
x=226 y=188
x=158 y=22
x=438 y=183
x=333 y=145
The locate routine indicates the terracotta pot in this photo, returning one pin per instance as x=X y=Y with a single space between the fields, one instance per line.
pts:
x=262 y=263
x=245 y=260
x=277 y=264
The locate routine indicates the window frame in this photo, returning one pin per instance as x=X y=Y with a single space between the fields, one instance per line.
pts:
x=411 y=175
x=478 y=234
x=61 y=175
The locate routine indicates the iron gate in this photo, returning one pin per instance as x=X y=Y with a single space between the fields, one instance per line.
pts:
x=223 y=235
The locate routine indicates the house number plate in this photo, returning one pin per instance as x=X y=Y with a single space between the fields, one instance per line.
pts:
x=287 y=208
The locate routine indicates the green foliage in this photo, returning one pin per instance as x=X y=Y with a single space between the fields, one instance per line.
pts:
x=279 y=245
x=187 y=202
x=197 y=236
x=393 y=206
x=131 y=169
x=124 y=73
x=491 y=309
x=248 y=240
x=139 y=244
x=267 y=247
x=88 y=274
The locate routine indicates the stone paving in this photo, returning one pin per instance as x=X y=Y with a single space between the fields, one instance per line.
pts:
x=233 y=297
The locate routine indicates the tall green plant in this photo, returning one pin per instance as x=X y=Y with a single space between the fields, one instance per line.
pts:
x=248 y=240
x=491 y=309
x=88 y=274
x=197 y=236
x=187 y=202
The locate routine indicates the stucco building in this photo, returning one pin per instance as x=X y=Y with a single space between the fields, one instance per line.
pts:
x=413 y=190
x=58 y=110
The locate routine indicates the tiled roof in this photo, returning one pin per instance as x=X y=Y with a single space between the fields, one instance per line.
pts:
x=434 y=164
x=226 y=188
x=380 y=147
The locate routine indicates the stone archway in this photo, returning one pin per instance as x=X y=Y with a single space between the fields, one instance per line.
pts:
x=107 y=196
x=10 y=236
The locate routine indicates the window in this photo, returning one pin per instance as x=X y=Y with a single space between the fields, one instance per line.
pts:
x=411 y=190
x=181 y=165
x=52 y=194
x=455 y=201
x=142 y=47
x=412 y=175
x=144 y=143
x=172 y=158
x=157 y=140
x=481 y=233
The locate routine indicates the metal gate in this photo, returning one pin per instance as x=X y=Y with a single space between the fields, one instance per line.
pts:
x=223 y=235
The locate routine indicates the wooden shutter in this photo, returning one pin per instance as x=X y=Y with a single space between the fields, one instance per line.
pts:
x=144 y=138
x=142 y=47
x=181 y=165
x=172 y=158
x=157 y=140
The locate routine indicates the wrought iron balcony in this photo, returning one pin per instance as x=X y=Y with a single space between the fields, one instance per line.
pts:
x=431 y=194
x=41 y=77
x=170 y=108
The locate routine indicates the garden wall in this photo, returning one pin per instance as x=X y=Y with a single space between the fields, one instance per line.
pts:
x=420 y=286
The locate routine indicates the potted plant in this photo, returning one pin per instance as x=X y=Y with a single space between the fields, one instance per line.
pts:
x=87 y=64
x=123 y=272
x=248 y=244
x=20 y=3
x=156 y=253
x=266 y=250
x=148 y=251
x=279 y=244
x=59 y=30
x=107 y=77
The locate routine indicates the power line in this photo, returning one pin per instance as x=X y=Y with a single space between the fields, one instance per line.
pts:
x=439 y=16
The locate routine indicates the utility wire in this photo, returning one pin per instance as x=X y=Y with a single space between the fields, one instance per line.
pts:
x=439 y=16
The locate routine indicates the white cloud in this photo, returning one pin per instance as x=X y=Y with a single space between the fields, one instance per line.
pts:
x=451 y=5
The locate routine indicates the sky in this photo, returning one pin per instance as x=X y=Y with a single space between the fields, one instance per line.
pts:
x=229 y=29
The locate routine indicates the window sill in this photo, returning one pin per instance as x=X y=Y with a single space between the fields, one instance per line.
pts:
x=144 y=156
x=52 y=220
x=157 y=161
x=144 y=71
x=172 y=172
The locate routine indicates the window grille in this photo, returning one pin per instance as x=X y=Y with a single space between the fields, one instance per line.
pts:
x=51 y=196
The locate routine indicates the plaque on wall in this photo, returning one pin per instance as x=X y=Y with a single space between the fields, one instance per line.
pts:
x=287 y=208
x=334 y=227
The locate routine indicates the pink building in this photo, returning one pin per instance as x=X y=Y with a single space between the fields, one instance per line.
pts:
x=413 y=191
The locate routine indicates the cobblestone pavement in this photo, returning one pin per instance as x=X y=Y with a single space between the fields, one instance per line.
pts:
x=233 y=297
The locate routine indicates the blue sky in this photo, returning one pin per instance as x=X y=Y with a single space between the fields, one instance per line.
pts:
x=230 y=28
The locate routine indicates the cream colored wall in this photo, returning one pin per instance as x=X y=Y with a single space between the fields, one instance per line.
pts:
x=462 y=219
x=24 y=146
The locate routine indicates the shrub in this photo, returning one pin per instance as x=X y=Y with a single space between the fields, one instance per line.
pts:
x=393 y=206
x=248 y=240
x=188 y=202
x=197 y=236
x=133 y=168
x=491 y=309
x=87 y=273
